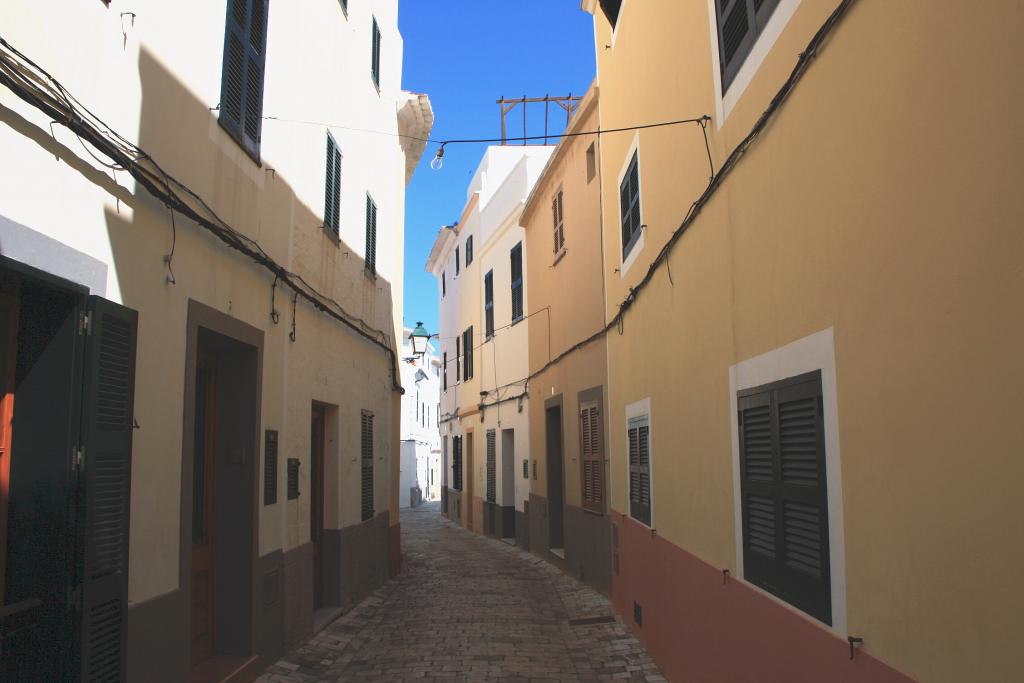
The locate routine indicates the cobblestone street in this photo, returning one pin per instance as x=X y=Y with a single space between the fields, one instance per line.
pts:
x=471 y=608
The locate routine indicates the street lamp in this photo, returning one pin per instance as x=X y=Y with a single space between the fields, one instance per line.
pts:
x=419 y=339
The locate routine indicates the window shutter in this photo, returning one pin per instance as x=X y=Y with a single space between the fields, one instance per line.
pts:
x=375 y=54
x=293 y=478
x=489 y=303
x=270 y=467
x=444 y=371
x=371 y=235
x=456 y=261
x=516 y=258
x=784 y=493
x=629 y=205
x=367 y=465
x=740 y=22
x=332 y=187
x=105 y=488
x=593 y=458
x=458 y=358
x=245 y=43
x=639 y=469
x=457 y=463
x=492 y=476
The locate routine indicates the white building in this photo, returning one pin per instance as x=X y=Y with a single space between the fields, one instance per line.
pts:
x=233 y=316
x=420 y=463
x=484 y=315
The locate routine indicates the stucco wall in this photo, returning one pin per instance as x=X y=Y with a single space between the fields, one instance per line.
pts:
x=858 y=210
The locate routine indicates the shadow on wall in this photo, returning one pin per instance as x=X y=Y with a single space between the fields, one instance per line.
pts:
x=181 y=133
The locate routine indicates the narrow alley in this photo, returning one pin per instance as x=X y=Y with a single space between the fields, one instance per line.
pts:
x=467 y=607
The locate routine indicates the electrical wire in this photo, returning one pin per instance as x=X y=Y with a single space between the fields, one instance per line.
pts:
x=40 y=89
x=717 y=179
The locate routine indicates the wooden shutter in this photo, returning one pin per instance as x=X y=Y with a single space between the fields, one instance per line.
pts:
x=456 y=261
x=467 y=353
x=558 y=221
x=375 y=54
x=639 y=469
x=489 y=303
x=592 y=458
x=332 y=187
x=105 y=488
x=293 y=478
x=457 y=463
x=270 y=467
x=492 y=468
x=629 y=205
x=245 y=42
x=371 y=235
x=516 y=258
x=367 y=465
x=469 y=250
x=740 y=22
x=784 y=492
x=458 y=357
x=444 y=371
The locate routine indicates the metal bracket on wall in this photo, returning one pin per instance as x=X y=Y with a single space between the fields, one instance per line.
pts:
x=854 y=644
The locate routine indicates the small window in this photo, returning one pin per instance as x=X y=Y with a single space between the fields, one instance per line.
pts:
x=467 y=353
x=367 y=465
x=611 y=10
x=371 y=236
x=629 y=206
x=469 y=250
x=489 y=303
x=375 y=54
x=444 y=371
x=444 y=285
x=332 y=187
x=558 y=221
x=241 y=87
x=784 y=494
x=516 y=257
x=591 y=161
x=457 y=267
x=740 y=22
x=639 y=437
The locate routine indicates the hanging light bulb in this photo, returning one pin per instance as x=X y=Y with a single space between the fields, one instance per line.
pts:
x=438 y=159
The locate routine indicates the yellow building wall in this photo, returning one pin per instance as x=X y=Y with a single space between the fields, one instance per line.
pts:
x=880 y=202
x=571 y=290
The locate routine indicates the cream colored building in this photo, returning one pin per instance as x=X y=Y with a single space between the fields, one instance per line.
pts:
x=569 y=491
x=262 y=494
x=484 y=319
x=812 y=397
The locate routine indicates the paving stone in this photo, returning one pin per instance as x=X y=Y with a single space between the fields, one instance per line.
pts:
x=470 y=608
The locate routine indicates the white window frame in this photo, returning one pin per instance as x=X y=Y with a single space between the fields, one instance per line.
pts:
x=641 y=408
x=763 y=44
x=815 y=352
x=638 y=246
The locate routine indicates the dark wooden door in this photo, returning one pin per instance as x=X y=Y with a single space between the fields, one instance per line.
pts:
x=316 y=508
x=556 y=490
x=203 y=506
x=8 y=344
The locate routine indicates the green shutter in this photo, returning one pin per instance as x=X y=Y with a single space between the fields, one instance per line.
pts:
x=367 y=465
x=492 y=467
x=639 y=469
x=784 y=497
x=371 y=235
x=105 y=488
x=242 y=72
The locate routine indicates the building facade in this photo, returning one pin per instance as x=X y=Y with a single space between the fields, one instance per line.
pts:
x=420 y=477
x=564 y=245
x=224 y=301
x=811 y=368
x=480 y=264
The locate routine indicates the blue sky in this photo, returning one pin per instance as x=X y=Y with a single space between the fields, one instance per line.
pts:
x=466 y=54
